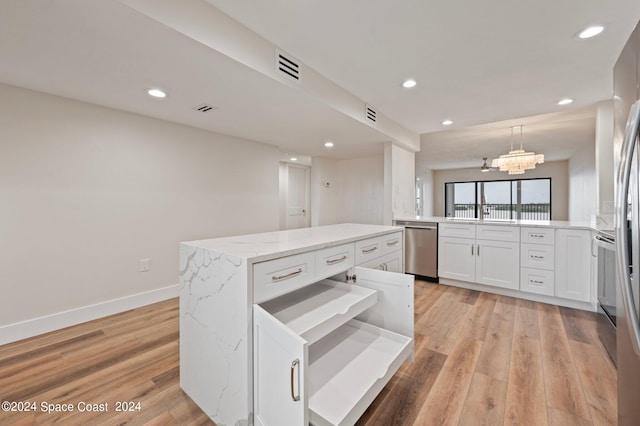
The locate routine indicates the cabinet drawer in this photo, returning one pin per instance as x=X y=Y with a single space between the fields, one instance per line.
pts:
x=333 y=260
x=458 y=230
x=275 y=277
x=391 y=242
x=537 y=256
x=537 y=281
x=537 y=235
x=498 y=233
x=368 y=249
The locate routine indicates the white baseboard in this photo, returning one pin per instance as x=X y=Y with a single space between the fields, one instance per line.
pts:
x=33 y=327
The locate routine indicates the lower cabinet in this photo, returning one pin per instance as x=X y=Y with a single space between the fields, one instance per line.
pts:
x=495 y=263
x=390 y=262
x=323 y=353
x=573 y=264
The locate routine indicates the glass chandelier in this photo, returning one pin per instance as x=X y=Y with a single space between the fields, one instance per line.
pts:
x=517 y=161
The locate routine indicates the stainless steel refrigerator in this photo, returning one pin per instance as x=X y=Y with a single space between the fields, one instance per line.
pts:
x=627 y=203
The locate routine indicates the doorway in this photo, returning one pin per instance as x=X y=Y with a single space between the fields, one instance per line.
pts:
x=294 y=196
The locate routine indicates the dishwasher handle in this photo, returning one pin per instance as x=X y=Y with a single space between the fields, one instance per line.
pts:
x=417 y=225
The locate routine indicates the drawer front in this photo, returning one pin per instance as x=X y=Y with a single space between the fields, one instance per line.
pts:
x=457 y=230
x=538 y=281
x=333 y=260
x=537 y=256
x=498 y=233
x=368 y=249
x=276 y=277
x=391 y=243
x=537 y=235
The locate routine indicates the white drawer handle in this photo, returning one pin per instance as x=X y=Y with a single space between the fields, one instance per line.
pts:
x=295 y=364
x=536 y=282
x=392 y=243
x=533 y=256
x=371 y=250
x=338 y=260
x=289 y=275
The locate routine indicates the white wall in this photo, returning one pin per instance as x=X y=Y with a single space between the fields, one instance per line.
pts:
x=399 y=182
x=86 y=191
x=556 y=170
x=582 y=184
x=605 y=168
x=355 y=193
x=362 y=190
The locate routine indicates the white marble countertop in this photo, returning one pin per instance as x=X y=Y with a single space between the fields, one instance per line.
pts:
x=528 y=223
x=271 y=245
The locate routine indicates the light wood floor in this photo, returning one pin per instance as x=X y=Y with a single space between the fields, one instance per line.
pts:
x=481 y=359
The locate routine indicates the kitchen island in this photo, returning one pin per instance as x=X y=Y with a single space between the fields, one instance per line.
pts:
x=545 y=261
x=266 y=337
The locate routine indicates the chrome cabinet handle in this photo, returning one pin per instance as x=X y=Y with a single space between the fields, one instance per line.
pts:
x=287 y=276
x=471 y=249
x=371 y=250
x=536 y=235
x=338 y=260
x=294 y=364
x=392 y=243
x=533 y=256
x=478 y=250
x=536 y=282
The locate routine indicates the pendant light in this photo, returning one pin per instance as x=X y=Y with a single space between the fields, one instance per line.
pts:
x=516 y=162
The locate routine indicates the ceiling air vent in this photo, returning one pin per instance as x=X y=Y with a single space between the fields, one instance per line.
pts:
x=371 y=113
x=287 y=65
x=205 y=108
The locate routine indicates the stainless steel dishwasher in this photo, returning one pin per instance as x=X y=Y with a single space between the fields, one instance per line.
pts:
x=421 y=248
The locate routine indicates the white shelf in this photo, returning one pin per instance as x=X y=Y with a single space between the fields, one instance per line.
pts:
x=314 y=311
x=348 y=368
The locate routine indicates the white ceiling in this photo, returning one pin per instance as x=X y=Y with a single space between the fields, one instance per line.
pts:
x=475 y=63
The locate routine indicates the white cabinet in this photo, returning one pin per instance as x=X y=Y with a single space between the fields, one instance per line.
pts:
x=383 y=253
x=498 y=263
x=573 y=264
x=266 y=338
x=493 y=259
x=314 y=362
x=456 y=258
x=537 y=259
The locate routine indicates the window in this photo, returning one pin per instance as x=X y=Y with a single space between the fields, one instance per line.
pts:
x=526 y=199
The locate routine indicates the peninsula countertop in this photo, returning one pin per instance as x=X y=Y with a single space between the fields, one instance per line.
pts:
x=271 y=245
x=505 y=222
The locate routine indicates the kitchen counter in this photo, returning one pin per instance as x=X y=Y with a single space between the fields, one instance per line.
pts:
x=271 y=245
x=528 y=223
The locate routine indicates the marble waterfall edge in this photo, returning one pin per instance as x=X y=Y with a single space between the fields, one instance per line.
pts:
x=215 y=360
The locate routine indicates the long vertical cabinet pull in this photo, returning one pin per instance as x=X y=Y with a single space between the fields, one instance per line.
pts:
x=295 y=364
x=472 y=249
x=622 y=254
x=478 y=250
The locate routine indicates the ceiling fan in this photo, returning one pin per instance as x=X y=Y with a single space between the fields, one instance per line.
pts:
x=485 y=167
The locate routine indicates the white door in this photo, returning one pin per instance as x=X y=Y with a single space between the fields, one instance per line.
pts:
x=280 y=362
x=573 y=264
x=457 y=258
x=297 y=197
x=498 y=263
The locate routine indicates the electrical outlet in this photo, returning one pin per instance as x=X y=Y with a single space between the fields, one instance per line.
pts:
x=144 y=265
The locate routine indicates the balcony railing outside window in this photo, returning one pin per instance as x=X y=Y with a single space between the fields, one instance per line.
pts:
x=524 y=199
x=505 y=211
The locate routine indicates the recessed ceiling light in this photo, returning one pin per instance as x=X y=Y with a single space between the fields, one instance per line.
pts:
x=328 y=144
x=156 y=93
x=566 y=101
x=409 y=84
x=591 y=31
x=447 y=123
x=293 y=159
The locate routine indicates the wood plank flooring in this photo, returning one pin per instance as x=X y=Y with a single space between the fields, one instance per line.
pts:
x=480 y=359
